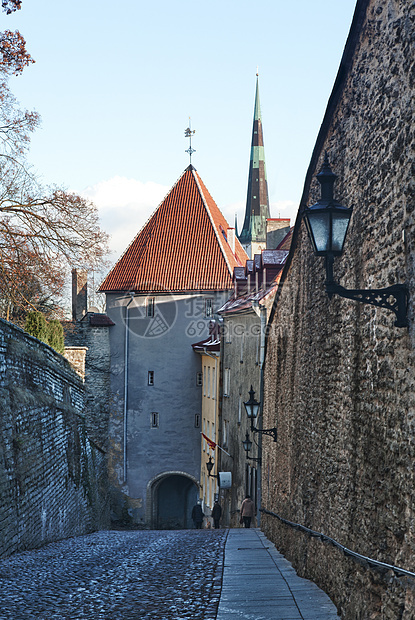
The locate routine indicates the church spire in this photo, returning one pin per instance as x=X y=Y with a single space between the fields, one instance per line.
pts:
x=254 y=232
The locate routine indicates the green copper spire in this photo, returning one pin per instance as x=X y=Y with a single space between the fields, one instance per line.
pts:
x=254 y=231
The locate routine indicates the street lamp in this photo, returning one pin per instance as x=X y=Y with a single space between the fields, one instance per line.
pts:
x=247 y=444
x=209 y=466
x=252 y=407
x=327 y=222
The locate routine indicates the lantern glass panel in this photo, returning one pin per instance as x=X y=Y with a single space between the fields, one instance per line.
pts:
x=319 y=222
x=340 y=225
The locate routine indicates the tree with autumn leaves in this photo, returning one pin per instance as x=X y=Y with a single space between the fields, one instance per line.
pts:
x=43 y=231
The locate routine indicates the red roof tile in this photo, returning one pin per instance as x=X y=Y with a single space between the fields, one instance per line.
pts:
x=182 y=247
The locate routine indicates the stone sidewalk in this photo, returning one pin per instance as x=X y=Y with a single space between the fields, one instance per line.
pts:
x=260 y=584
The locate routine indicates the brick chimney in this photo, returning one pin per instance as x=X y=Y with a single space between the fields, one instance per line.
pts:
x=230 y=234
x=79 y=293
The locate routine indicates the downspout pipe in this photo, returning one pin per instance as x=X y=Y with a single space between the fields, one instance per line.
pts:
x=126 y=346
x=261 y=311
x=263 y=317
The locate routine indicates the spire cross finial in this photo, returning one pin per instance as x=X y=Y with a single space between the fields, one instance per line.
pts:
x=188 y=133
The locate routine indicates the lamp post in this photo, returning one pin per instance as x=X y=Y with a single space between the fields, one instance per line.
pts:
x=327 y=222
x=247 y=444
x=252 y=407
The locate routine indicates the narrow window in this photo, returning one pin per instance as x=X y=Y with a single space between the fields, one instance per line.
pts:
x=199 y=379
x=154 y=420
x=240 y=409
x=242 y=348
x=151 y=377
x=208 y=308
x=225 y=433
x=213 y=383
x=208 y=382
x=197 y=420
x=150 y=303
x=226 y=382
x=204 y=380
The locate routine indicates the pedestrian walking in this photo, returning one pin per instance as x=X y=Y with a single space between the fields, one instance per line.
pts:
x=216 y=514
x=247 y=511
x=197 y=515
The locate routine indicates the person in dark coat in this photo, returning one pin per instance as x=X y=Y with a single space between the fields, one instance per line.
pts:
x=247 y=511
x=197 y=515
x=216 y=514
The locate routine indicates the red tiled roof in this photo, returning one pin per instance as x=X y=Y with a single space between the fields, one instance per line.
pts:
x=182 y=247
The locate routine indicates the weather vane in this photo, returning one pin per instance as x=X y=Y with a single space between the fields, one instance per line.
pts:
x=188 y=133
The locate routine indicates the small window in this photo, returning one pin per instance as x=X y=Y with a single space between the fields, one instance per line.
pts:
x=208 y=308
x=199 y=379
x=154 y=420
x=151 y=377
x=208 y=382
x=197 y=420
x=225 y=433
x=150 y=302
x=226 y=382
x=213 y=383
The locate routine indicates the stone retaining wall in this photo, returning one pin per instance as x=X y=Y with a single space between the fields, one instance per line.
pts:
x=339 y=377
x=52 y=478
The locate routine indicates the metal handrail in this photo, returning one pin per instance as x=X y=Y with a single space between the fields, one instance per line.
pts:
x=363 y=560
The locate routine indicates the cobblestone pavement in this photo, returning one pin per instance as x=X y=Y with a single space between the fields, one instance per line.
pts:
x=162 y=575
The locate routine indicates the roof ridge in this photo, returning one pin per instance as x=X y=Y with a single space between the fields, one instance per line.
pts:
x=213 y=224
x=148 y=220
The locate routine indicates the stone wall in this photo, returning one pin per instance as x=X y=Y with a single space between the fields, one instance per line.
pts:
x=87 y=348
x=52 y=478
x=339 y=376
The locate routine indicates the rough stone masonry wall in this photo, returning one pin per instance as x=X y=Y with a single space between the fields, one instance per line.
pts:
x=52 y=479
x=339 y=376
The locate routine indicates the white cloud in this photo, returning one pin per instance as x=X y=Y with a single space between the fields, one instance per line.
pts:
x=284 y=208
x=124 y=206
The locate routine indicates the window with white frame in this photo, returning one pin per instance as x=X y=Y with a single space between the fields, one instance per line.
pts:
x=208 y=382
x=213 y=383
x=204 y=380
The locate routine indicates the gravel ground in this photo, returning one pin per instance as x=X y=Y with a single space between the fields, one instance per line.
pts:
x=116 y=575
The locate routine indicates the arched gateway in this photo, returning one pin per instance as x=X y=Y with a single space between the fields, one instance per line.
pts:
x=170 y=499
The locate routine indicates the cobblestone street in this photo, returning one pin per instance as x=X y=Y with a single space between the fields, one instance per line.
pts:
x=116 y=575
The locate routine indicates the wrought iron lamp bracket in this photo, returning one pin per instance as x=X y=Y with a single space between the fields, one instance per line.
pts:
x=393 y=298
x=271 y=432
x=257 y=460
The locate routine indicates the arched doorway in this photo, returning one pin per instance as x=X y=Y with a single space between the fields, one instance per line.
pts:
x=173 y=497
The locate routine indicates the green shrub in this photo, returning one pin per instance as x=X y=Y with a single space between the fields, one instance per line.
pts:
x=51 y=333
x=55 y=336
x=37 y=326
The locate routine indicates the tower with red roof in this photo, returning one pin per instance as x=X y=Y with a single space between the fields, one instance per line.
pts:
x=161 y=294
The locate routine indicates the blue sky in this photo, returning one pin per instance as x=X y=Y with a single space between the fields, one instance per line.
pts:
x=115 y=84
